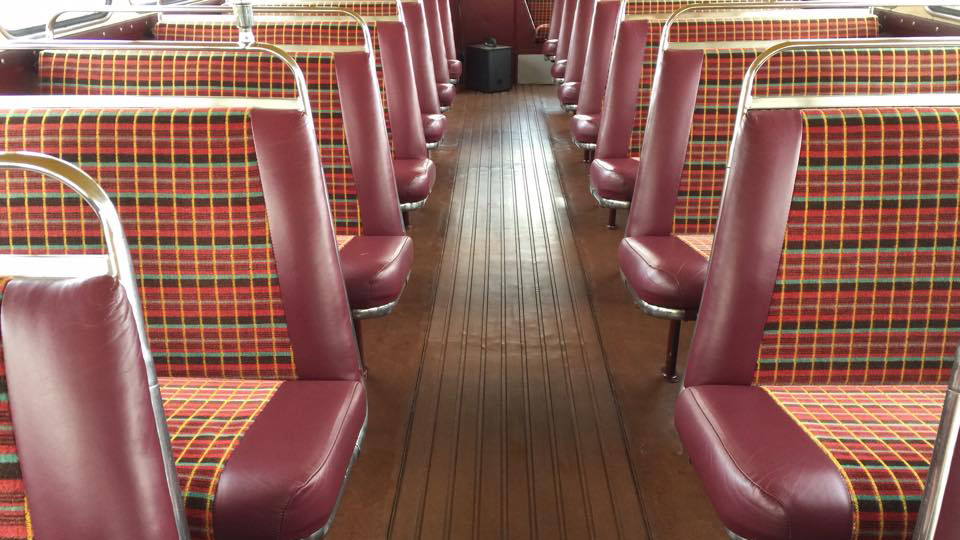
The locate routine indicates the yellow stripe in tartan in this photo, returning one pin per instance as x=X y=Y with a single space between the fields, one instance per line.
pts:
x=701 y=243
x=826 y=451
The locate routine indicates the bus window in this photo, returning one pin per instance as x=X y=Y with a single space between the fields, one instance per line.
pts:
x=31 y=17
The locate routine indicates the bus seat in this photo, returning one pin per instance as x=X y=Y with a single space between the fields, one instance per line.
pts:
x=357 y=165
x=569 y=91
x=827 y=322
x=81 y=444
x=595 y=71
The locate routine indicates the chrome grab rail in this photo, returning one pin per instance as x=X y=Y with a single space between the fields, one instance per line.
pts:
x=119 y=264
x=244 y=12
x=300 y=81
x=944 y=451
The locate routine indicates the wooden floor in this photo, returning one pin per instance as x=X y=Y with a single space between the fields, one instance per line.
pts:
x=515 y=431
x=515 y=394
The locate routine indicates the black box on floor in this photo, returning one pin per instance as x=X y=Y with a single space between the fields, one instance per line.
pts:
x=489 y=67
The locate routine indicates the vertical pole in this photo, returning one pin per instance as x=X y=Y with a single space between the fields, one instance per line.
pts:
x=673 y=345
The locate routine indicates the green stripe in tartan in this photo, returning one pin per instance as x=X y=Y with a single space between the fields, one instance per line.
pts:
x=224 y=74
x=869 y=278
x=880 y=438
x=198 y=235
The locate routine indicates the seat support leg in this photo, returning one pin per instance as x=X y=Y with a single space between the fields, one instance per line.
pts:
x=406 y=220
x=587 y=156
x=673 y=344
x=612 y=219
x=359 y=334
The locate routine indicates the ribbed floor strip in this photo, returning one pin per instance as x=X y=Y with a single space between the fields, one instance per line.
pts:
x=515 y=432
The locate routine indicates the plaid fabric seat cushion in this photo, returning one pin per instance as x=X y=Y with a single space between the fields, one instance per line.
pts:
x=14 y=514
x=795 y=73
x=868 y=285
x=881 y=440
x=540 y=13
x=221 y=74
x=302 y=32
x=343 y=240
x=187 y=188
x=206 y=419
x=647 y=7
x=701 y=243
x=696 y=31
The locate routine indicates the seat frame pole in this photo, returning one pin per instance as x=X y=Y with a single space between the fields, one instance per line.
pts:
x=669 y=371
x=612 y=218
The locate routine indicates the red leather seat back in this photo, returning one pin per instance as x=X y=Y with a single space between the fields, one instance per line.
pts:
x=81 y=444
x=228 y=223
x=253 y=75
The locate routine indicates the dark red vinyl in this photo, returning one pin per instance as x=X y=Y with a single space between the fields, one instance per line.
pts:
x=664 y=145
x=376 y=268
x=569 y=92
x=438 y=47
x=85 y=430
x=449 y=36
x=415 y=179
x=285 y=476
x=767 y=479
x=368 y=143
x=415 y=19
x=406 y=127
x=550 y=47
x=746 y=250
x=434 y=126
x=455 y=67
x=315 y=302
x=585 y=127
x=579 y=41
x=596 y=67
x=566 y=28
x=663 y=271
x=613 y=178
x=559 y=68
x=446 y=92
x=626 y=73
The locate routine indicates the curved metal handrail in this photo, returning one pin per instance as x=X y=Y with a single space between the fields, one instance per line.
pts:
x=120 y=266
x=244 y=12
x=944 y=450
x=300 y=81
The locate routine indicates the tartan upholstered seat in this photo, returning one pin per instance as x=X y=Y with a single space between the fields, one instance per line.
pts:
x=408 y=131
x=687 y=166
x=364 y=207
x=828 y=322
x=364 y=8
x=72 y=372
x=634 y=81
x=247 y=318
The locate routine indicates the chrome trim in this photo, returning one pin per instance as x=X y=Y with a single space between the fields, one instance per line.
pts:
x=550 y=57
x=944 y=450
x=569 y=108
x=120 y=265
x=244 y=13
x=557 y=81
x=584 y=146
x=608 y=203
x=109 y=101
x=374 y=312
x=343 y=486
x=445 y=109
x=733 y=536
x=407 y=207
x=838 y=101
x=453 y=81
x=433 y=145
x=5 y=34
x=657 y=311
x=111 y=45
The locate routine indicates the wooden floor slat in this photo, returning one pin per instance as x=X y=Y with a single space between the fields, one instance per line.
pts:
x=515 y=431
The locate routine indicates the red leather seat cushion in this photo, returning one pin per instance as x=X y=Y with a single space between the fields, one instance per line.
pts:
x=455 y=68
x=767 y=479
x=569 y=93
x=585 y=128
x=549 y=47
x=446 y=92
x=434 y=125
x=375 y=269
x=558 y=69
x=415 y=178
x=613 y=178
x=285 y=474
x=663 y=271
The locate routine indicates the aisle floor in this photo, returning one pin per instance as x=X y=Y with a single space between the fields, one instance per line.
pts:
x=515 y=392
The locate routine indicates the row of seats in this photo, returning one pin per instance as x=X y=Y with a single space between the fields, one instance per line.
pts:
x=259 y=234
x=807 y=219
